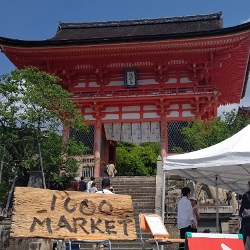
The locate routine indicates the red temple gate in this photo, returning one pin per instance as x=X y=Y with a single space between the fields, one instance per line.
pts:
x=132 y=79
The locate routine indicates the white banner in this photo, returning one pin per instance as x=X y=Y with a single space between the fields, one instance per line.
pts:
x=155 y=132
x=133 y=132
x=145 y=132
x=136 y=132
x=116 y=135
x=126 y=132
x=108 y=127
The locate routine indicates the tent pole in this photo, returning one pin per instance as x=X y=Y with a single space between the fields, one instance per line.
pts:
x=217 y=205
x=163 y=197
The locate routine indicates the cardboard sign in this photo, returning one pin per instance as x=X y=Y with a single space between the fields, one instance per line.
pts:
x=69 y=214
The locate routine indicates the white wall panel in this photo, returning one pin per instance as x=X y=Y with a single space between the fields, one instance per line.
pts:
x=93 y=84
x=88 y=110
x=186 y=106
x=131 y=108
x=187 y=114
x=89 y=117
x=172 y=80
x=111 y=117
x=173 y=114
x=80 y=85
x=184 y=80
x=111 y=109
x=173 y=106
x=131 y=116
x=150 y=115
x=147 y=82
x=116 y=83
x=150 y=107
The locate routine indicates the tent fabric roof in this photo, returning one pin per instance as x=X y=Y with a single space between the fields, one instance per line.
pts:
x=138 y=28
x=229 y=160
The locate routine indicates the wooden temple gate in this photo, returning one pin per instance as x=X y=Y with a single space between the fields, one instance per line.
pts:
x=132 y=79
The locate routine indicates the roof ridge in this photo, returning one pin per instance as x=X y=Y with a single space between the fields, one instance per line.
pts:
x=190 y=18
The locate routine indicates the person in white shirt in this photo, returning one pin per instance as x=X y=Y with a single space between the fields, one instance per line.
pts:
x=93 y=188
x=90 y=183
x=105 y=187
x=185 y=216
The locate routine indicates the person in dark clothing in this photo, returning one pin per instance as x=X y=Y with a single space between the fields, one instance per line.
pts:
x=245 y=222
x=82 y=185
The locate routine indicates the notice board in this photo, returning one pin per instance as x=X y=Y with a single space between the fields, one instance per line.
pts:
x=156 y=225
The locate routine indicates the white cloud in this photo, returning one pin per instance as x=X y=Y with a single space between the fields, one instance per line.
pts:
x=227 y=108
x=246 y=21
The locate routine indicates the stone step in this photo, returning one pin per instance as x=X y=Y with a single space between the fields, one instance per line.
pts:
x=125 y=190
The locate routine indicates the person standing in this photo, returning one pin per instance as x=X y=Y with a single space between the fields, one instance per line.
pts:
x=105 y=187
x=93 y=188
x=90 y=183
x=82 y=185
x=111 y=169
x=106 y=169
x=185 y=216
x=195 y=213
x=245 y=222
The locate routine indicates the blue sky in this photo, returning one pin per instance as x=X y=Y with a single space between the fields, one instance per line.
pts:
x=38 y=19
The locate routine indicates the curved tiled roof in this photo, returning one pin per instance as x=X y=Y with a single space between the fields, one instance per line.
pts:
x=205 y=17
x=135 y=28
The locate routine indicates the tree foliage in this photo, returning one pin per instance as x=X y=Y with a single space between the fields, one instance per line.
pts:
x=141 y=160
x=135 y=160
x=204 y=133
x=33 y=109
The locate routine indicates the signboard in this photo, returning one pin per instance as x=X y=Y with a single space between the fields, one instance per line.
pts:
x=130 y=78
x=215 y=242
x=70 y=214
x=156 y=225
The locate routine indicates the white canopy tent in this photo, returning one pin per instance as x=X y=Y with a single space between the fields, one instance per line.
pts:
x=225 y=165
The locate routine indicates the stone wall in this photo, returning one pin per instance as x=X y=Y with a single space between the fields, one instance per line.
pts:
x=229 y=221
x=174 y=184
x=7 y=243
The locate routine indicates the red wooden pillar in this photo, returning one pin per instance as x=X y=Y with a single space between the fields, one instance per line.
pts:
x=97 y=147
x=164 y=137
x=106 y=152
x=114 y=160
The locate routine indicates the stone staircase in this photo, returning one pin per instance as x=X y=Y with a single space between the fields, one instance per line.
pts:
x=142 y=189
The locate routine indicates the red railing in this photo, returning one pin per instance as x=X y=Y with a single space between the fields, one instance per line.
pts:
x=133 y=92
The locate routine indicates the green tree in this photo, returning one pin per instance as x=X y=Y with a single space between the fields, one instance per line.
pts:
x=204 y=133
x=33 y=108
x=135 y=160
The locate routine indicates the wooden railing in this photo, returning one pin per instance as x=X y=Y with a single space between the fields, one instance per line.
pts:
x=146 y=92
